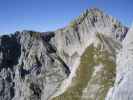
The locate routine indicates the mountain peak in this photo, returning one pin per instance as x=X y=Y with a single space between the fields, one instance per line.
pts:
x=95 y=10
x=40 y=66
x=92 y=12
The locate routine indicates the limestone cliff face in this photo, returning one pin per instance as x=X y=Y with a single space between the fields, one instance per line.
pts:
x=79 y=58
x=30 y=69
x=123 y=87
x=81 y=34
x=72 y=40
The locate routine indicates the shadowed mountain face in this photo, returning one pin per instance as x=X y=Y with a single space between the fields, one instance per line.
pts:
x=77 y=62
x=10 y=50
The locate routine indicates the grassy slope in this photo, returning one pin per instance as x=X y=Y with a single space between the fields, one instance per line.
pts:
x=105 y=78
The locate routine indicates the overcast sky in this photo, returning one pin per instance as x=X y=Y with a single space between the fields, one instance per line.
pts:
x=45 y=15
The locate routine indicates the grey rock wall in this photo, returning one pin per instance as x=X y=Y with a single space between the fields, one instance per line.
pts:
x=123 y=87
x=34 y=65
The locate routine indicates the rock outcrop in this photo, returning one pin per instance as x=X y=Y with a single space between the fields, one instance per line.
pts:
x=30 y=69
x=123 y=87
x=73 y=63
x=81 y=34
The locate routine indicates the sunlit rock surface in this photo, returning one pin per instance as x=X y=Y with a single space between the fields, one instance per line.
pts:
x=46 y=66
x=123 y=87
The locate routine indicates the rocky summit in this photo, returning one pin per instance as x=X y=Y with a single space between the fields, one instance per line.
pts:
x=90 y=59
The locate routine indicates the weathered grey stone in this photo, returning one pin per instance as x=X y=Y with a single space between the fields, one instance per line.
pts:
x=39 y=66
x=123 y=87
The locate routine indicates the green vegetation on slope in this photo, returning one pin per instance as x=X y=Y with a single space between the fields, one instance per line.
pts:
x=82 y=78
x=104 y=78
x=80 y=19
x=73 y=24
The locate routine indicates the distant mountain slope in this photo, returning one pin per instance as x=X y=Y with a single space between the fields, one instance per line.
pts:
x=77 y=62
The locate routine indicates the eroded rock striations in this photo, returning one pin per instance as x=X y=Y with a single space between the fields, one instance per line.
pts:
x=77 y=62
x=30 y=67
x=123 y=87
